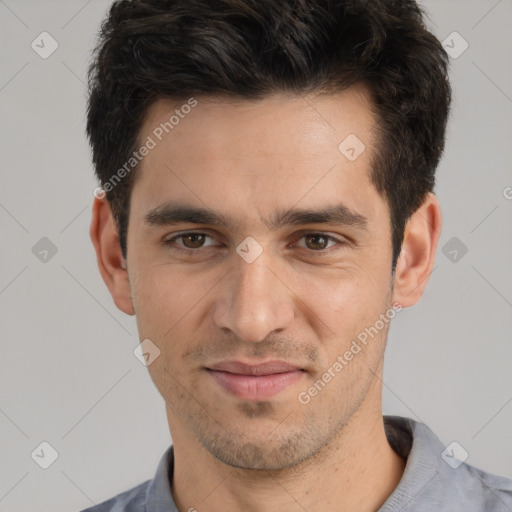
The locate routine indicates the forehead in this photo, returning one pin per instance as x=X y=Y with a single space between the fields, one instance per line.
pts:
x=267 y=153
x=274 y=124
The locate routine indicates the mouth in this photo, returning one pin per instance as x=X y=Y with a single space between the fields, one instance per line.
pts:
x=255 y=382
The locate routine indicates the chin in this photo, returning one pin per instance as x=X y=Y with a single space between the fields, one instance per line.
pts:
x=260 y=451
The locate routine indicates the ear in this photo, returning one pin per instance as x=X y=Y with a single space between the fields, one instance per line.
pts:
x=111 y=263
x=417 y=256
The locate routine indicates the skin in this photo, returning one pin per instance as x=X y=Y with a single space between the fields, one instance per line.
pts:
x=303 y=300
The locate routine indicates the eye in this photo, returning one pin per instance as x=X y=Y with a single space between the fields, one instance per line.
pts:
x=319 y=241
x=191 y=240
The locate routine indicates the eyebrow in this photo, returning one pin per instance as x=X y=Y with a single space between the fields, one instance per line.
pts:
x=170 y=214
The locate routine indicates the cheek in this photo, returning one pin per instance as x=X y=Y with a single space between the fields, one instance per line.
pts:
x=160 y=301
x=344 y=298
x=170 y=303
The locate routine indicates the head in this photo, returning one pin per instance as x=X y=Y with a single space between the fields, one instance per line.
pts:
x=312 y=127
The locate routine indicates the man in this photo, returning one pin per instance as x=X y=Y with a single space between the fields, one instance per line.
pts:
x=269 y=170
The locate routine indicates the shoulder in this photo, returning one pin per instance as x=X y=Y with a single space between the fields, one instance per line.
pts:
x=132 y=500
x=152 y=494
x=485 y=491
x=437 y=477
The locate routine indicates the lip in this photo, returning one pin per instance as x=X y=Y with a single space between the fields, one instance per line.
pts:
x=255 y=381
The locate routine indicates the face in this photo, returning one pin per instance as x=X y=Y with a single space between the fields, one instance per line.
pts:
x=257 y=253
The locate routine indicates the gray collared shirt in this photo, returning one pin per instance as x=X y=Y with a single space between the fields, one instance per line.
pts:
x=432 y=482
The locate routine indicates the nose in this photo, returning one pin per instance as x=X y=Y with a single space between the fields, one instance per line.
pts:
x=254 y=300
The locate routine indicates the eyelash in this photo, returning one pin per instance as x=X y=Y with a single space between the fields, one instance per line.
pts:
x=318 y=252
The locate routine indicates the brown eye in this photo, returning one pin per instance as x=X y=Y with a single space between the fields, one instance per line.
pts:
x=193 y=240
x=316 y=241
x=320 y=243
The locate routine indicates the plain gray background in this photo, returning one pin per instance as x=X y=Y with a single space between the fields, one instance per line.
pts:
x=68 y=373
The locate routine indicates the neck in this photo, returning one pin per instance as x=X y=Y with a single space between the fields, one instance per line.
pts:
x=357 y=471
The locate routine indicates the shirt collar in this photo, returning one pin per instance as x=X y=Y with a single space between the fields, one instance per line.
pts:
x=420 y=447
x=159 y=495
